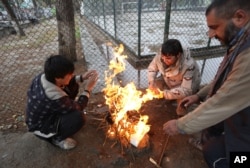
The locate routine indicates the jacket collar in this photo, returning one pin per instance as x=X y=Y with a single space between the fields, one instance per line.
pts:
x=51 y=90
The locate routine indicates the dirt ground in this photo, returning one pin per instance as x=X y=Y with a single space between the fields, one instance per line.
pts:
x=24 y=150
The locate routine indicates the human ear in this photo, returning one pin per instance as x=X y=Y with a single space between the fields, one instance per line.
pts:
x=240 y=18
x=179 y=55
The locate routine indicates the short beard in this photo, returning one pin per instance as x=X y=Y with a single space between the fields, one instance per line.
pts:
x=230 y=32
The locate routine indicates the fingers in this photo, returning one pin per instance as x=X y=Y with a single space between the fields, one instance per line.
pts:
x=92 y=72
x=89 y=74
x=188 y=101
x=92 y=77
x=155 y=90
x=168 y=131
x=152 y=85
x=184 y=103
x=170 y=128
x=165 y=125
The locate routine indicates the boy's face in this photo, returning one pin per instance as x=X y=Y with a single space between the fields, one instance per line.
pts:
x=64 y=81
x=169 y=59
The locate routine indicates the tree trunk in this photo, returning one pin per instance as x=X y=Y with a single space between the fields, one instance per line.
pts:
x=13 y=17
x=77 y=5
x=66 y=28
x=34 y=4
x=48 y=3
x=17 y=3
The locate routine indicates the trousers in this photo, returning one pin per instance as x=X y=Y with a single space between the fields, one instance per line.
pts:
x=69 y=124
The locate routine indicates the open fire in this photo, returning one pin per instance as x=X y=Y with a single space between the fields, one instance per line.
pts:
x=126 y=123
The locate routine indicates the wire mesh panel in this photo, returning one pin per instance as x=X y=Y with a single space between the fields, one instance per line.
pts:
x=22 y=56
x=143 y=25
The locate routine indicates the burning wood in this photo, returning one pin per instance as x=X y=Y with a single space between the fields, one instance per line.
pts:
x=126 y=122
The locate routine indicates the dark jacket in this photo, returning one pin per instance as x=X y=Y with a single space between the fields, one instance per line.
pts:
x=47 y=102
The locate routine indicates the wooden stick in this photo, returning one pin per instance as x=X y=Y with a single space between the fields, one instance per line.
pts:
x=154 y=162
x=163 y=149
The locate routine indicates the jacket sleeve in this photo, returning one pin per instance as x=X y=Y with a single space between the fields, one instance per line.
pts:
x=232 y=97
x=203 y=92
x=185 y=89
x=69 y=103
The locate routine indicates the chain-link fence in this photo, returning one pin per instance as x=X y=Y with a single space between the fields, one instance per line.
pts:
x=141 y=25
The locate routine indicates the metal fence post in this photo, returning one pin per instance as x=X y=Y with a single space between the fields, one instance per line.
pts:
x=204 y=61
x=167 y=19
x=98 y=13
x=139 y=28
x=114 y=10
x=139 y=39
x=104 y=14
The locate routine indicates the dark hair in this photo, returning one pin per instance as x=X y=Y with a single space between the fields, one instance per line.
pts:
x=57 y=66
x=171 y=47
x=226 y=8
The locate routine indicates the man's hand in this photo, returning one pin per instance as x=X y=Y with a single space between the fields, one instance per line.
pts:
x=153 y=88
x=151 y=85
x=188 y=101
x=86 y=75
x=91 y=80
x=170 y=127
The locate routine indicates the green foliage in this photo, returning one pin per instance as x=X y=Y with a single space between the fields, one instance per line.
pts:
x=77 y=32
x=53 y=10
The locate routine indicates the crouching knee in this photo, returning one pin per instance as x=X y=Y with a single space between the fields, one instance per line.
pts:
x=80 y=119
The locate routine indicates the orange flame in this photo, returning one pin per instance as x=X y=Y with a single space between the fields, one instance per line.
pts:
x=121 y=100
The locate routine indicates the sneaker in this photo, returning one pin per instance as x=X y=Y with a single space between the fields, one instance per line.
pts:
x=195 y=143
x=66 y=144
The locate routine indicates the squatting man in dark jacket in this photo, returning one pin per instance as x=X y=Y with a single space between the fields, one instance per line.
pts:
x=224 y=114
x=53 y=113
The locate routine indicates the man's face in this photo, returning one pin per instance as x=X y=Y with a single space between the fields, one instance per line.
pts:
x=169 y=59
x=221 y=29
x=230 y=32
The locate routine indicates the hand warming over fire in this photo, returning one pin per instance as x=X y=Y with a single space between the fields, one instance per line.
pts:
x=188 y=101
x=171 y=128
x=86 y=75
x=152 y=87
x=91 y=80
